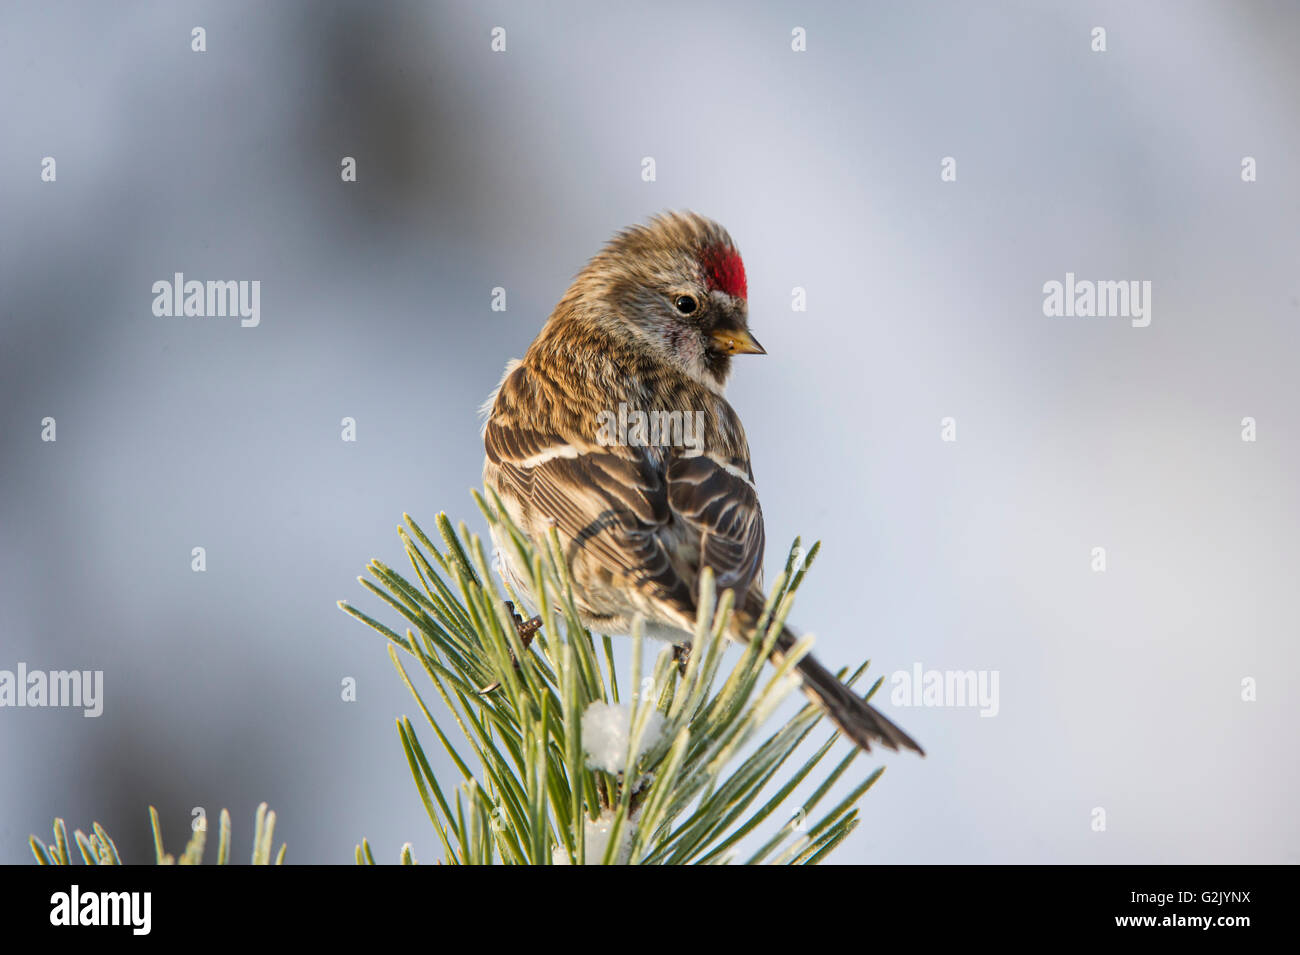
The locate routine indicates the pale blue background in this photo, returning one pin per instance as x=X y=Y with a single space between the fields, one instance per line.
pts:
x=476 y=170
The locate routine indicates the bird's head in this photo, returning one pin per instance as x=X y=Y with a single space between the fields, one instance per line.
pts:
x=675 y=285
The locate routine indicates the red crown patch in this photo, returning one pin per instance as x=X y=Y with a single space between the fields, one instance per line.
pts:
x=723 y=270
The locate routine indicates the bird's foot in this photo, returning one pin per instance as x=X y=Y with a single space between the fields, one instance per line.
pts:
x=527 y=629
x=682 y=654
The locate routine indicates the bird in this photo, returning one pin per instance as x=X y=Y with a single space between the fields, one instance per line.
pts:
x=614 y=430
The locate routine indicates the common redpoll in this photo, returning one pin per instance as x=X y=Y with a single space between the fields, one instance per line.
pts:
x=614 y=430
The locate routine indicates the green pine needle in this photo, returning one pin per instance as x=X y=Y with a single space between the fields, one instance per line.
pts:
x=98 y=849
x=701 y=785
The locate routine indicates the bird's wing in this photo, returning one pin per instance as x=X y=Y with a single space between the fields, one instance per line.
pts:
x=609 y=505
x=717 y=498
x=648 y=517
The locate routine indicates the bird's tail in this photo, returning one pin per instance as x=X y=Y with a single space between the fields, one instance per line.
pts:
x=856 y=718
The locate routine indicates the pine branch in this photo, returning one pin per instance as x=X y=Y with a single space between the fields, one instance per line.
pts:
x=555 y=764
x=98 y=849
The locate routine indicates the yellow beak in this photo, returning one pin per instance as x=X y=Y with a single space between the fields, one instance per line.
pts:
x=731 y=341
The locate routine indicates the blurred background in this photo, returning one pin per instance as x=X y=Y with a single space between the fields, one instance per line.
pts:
x=1120 y=690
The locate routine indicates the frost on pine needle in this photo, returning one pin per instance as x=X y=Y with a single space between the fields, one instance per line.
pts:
x=607 y=735
x=597 y=841
x=97 y=848
x=533 y=742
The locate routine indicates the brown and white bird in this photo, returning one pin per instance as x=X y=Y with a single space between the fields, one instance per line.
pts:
x=650 y=325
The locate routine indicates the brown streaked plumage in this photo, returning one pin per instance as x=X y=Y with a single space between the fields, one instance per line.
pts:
x=649 y=325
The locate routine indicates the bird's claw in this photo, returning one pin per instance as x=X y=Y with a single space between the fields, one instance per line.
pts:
x=527 y=629
x=682 y=654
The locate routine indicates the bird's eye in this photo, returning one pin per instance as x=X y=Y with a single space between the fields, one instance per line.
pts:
x=685 y=304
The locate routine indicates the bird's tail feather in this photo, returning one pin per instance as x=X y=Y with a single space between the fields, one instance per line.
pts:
x=856 y=718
